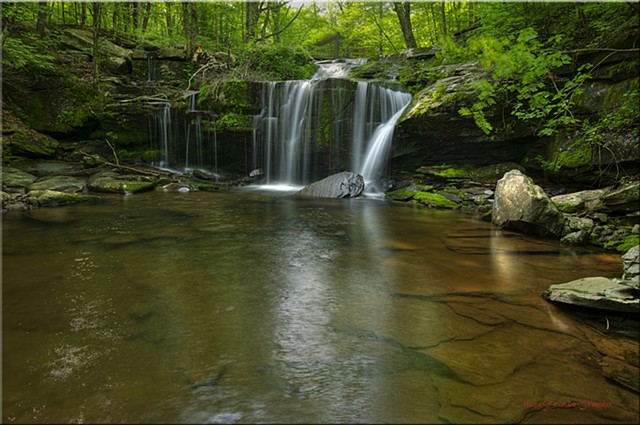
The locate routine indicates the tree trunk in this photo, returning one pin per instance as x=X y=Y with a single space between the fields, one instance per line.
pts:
x=83 y=14
x=169 y=18
x=444 y=20
x=97 y=7
x=136 y=15
x=43 y=13
x=252 y=16
x=147 y=15
x=190 y=25
x=403 y=10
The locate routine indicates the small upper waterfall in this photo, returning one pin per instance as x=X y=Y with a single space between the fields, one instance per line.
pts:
x=185 y=139
x=312 y=128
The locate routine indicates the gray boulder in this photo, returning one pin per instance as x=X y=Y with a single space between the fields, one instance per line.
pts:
x=631 y=267
x=595 y=292
x=579 y=201
x=341 y=185
x=522 y=205
x=625 y=199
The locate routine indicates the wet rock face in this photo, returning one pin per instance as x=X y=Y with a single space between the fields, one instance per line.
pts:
x=522 y=205
x=341 y=185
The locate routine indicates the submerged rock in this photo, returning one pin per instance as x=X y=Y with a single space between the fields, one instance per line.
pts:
x=522 y=205
x=341 y=185
x=595 y=292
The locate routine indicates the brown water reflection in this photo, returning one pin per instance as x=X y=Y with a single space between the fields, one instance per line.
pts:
x=256 y=307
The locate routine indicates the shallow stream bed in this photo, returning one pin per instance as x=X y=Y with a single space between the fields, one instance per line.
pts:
x=254 y=306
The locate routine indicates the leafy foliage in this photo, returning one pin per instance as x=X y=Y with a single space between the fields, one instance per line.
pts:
x=277 y=62
x=18 y=55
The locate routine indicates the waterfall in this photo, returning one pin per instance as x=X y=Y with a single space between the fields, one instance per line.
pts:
x=185 y=139
x=309 y=129
x=285 y=126
x=152 y=67
x=391 y=104
x=160 y=130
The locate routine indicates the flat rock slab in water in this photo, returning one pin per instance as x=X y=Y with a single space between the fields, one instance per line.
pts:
x=595 y=292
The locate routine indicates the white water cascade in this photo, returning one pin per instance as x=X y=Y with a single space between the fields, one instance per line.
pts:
x=377 y=109
x=312 y=128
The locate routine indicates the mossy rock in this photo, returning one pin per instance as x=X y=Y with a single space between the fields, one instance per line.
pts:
x=490 y=174
x=32 y=145
x=110 y=182
x=52 y=198
x=448 y=172
x=206 y=187
x=567 y=208
x=623 y=245
x=407 y=193
x=435 y=200
x=15 y=180
x=59 y=183
x=404 y=194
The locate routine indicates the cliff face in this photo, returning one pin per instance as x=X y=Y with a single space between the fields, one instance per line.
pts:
x=432 y=130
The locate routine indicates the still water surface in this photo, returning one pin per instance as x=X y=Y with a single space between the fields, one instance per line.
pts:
x=253 y=306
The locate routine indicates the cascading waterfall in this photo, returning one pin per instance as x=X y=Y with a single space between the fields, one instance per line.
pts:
x=300 y=125
x=391 y=105
x=377 y=109
x=286 y=141
x=307 y=129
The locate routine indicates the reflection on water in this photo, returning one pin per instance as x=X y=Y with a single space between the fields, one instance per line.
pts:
x=258 y=307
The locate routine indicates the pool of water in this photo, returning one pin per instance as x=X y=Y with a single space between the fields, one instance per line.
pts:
x=255 y=306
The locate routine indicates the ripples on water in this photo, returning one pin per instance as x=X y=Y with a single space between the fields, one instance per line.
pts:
x=257 y=307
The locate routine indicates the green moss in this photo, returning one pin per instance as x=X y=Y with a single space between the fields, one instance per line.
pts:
x=403 y=194
x=136 y=187
x=50 y=198
x=628 y=243
x=435 y=200
x=447 y=171
x=567 y=208
x=206 y=187
x=577 y=155
x=407 y=193
x=32 y=145
x=233 y=121
x=621 y=245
